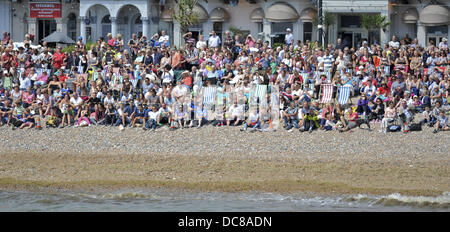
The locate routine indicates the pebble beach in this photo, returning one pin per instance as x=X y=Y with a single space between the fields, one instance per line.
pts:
x=226 y=159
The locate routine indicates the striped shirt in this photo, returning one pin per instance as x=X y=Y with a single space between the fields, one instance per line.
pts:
x=328 y=62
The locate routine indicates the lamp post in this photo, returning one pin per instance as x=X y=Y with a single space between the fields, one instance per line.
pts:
x=320 y=26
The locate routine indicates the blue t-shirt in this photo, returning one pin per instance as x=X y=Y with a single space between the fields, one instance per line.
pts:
x=138 y=113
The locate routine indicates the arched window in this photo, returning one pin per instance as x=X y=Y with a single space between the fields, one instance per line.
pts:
x=106 y=25
x=138 y=20
x=72 y=26
x=106 y=20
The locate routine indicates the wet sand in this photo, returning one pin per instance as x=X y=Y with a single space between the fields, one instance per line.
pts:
x=213 y=159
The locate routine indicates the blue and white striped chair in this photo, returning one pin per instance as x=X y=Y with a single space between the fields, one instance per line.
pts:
x=344 y=94
x=209 y=95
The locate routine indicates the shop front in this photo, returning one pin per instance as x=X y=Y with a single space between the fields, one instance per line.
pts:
x=45 y=14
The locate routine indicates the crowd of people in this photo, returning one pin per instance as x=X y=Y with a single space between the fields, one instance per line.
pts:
x=149 y=83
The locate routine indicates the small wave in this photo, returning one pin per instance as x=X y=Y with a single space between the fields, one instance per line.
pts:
x=125 y=196
x=397 y=199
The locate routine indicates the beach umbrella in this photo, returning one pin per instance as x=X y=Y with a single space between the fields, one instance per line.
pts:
x=58 y=37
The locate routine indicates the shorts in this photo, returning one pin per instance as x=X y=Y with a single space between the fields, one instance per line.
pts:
x=351 y=125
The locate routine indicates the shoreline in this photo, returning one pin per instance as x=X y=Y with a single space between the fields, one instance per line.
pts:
x=225 y=160
x=280 y=176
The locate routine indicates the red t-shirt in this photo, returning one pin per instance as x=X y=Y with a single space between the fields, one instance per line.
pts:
x=384 y=91
x=355 y=115
x=62 y=78
x=187 y=80
x=6 y=59
x=58 y=59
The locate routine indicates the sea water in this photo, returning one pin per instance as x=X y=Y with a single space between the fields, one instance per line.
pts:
x=181 y=201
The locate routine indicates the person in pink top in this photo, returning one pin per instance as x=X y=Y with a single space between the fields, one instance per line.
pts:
x=42 y=79
x=250 y=41
x=27 y=97
x=110 y=39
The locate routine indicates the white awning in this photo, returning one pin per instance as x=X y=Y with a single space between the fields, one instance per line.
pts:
x=410 y=16
x=219 y=15
x=281 y=12
x=308 y=15
x=257 y=15
x=434 y=15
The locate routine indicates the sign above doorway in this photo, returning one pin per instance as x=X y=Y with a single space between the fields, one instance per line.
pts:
x=45 y=10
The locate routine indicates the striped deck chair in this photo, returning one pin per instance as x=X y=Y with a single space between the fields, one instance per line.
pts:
x=387 y=70
x=344 y=94
x=305 y=77
x=209 y=95
x=259 y=91
x=348 y=70
x=219 y=113
x=317 y=75
x=327 y=93
x=275 y=107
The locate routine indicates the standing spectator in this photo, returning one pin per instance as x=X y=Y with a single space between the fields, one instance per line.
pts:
x=188 y=39
x=443 y=44
x=228 y=41
x=58 y=59
x=164 y=39
x=289 y=38
x=214 y=40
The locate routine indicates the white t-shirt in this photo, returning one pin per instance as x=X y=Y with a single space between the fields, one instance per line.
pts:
x=163 y=38
x=76 y=102
x=298 y=92
x=167 y=77
x=395 y=44
x=200 y=44
x=179 y=91
x=214 y=41
x=40 y=98
x=153 y=115
x=109 y=100
x=289 y=39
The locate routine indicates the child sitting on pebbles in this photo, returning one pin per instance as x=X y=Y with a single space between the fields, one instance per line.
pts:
x=84 y=120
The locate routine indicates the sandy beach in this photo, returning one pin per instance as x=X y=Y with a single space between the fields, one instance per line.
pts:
x=225 y=159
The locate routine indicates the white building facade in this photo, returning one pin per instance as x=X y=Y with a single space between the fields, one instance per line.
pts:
x=428 y=20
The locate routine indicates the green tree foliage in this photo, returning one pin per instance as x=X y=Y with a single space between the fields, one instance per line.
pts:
x=374 y=22
x=185 y=15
